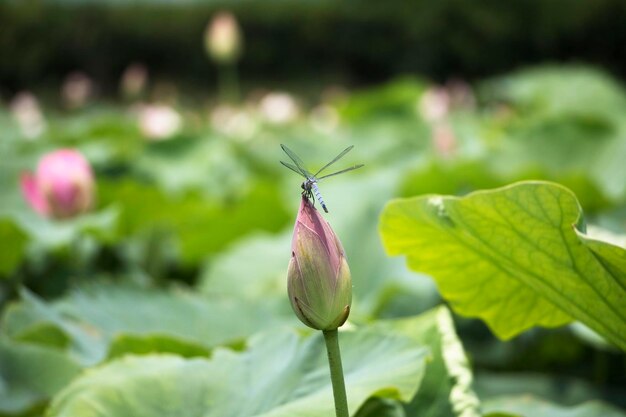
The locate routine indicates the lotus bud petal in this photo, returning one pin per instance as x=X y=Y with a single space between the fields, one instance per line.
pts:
x=62 y=187
x=223 y=38
x=319 y=283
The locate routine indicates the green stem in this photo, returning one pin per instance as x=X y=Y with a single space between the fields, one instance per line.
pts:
x=228 y=83
x=336 y=372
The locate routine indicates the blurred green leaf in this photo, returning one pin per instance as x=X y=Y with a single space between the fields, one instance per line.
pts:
x=556 y=388
x=510 y=256
x=125 y=344
x=44 y=334
x=202 y=226
x=446 y=390
x=381 y=407
x=31 y=374
x=254 y=268
x=137 y=319
x=550 y=91
x=528 y=406
x=13 y=247
x=397 y=99
x=281 y=374
x=52 y=234
x=208 y=165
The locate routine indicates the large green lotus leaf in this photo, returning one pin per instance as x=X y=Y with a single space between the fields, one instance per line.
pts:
x=281 y=374
x=30 y=374
x=529 y=406
x=446 y=390
x=97 y=315
x=510 y=256
x=609 y=249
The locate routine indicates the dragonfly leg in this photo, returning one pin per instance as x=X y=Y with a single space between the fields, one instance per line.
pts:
x=309 y=196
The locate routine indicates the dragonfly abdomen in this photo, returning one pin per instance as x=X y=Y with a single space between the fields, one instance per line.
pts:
x=318 y=195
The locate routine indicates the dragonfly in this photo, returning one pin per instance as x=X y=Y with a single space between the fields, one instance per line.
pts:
x=309 y=186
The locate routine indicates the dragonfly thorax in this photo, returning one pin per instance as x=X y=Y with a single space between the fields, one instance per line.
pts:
x=308 y=184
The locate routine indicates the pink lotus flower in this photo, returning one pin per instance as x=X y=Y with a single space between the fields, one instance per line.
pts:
x=62 y=187
x=319 y=283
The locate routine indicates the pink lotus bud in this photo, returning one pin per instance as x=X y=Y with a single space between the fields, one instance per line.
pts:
x=62 y=187
x=27 y=112
x=76 y=90
x=434 y=105
x=444 y=140
x=134 y=80
x=319 y=284
x=222 y=38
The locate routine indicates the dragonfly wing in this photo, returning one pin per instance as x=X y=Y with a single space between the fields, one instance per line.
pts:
x=293 y=168
x=341 y=172
x=296 y=160
x=335 y=159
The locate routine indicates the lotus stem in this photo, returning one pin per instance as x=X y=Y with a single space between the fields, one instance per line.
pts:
x=331 y=337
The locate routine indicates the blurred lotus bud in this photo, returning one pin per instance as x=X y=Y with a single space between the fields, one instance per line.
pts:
x=62 y=187
x=222 y=38
x=279 y=108
x=76 y=90
x=444 y=140
x=434 y=104
x=319 y=283
x=159 y=122
x=134 y=80
x=27 y=113
x=461 y=95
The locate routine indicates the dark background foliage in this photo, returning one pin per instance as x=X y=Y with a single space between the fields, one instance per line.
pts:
x=357 y=41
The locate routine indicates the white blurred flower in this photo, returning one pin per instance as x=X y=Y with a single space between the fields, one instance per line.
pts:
x=134 y=80
x=233 y=122
x=324 y=118
x=434 y=104
x=27 y=112
x=279 y=108
x=76 y=89
x=222 y=38
x=159 y=122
